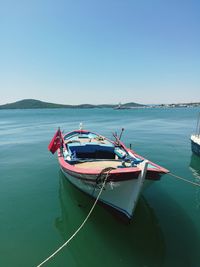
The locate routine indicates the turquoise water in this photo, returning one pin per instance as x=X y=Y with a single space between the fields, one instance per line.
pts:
x=39 y=209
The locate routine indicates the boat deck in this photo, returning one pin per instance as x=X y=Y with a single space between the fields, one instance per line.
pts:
x=98 y=164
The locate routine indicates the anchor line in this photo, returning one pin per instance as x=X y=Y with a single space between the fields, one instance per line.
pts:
x=83 y=223
x=183 y=179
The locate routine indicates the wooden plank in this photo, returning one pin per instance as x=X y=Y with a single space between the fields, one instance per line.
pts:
x=98 y=164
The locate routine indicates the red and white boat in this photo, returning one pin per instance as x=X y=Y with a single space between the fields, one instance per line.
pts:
x=86 y=158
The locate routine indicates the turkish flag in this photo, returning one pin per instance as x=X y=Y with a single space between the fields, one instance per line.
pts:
x=56 y=142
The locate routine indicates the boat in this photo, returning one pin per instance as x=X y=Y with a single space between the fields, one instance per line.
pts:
x=94 y=163
x=195 y=139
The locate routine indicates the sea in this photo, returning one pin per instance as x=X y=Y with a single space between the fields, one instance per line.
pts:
x=40 y=209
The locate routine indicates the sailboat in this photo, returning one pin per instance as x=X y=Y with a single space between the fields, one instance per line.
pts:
x=195 y=139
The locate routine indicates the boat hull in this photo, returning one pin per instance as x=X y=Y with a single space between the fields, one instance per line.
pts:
x=119 y=196
x=195 y=148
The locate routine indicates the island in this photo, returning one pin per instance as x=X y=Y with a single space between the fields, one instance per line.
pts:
x=37 y=104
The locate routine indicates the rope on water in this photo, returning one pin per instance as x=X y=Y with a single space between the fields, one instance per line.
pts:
x=183 y=179
x=83 y=223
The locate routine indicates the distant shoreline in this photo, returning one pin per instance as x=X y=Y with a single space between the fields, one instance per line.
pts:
x=37 y=104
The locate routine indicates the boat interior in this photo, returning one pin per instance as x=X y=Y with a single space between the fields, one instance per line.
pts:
x=89 y=150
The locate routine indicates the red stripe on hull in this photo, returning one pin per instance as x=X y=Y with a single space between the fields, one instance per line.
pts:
x=114 y=177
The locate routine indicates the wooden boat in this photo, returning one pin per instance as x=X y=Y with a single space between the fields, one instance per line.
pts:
x=87 y=159
x=195 y=139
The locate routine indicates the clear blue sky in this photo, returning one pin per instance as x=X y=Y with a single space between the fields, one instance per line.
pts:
x=107 y=51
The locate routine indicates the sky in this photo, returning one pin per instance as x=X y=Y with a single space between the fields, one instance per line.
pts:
x=108 y=51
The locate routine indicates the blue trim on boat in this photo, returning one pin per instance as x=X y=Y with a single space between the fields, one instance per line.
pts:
x=117 y=208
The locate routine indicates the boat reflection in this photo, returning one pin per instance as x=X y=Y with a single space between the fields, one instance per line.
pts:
x=106 y=239
x=195 y=166
x=195 y=169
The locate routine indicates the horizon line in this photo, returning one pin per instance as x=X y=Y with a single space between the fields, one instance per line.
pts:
x=118 y=103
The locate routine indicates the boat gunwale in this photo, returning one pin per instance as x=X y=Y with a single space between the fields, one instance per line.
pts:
x=93 y=171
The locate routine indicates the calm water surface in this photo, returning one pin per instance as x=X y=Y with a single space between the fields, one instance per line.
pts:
x=39 y=209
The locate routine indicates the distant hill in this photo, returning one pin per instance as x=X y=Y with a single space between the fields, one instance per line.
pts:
x=30 y=104
x=129 y=106
x=132 y=105
x=34 y=104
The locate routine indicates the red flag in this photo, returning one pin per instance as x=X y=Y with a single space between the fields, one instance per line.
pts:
x=56 y=142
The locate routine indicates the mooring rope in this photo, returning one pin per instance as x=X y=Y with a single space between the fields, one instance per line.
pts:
x=183 y=179
x=83 y=223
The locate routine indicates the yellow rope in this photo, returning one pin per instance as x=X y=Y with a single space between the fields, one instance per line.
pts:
x=183 y=179
x=83 y=223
